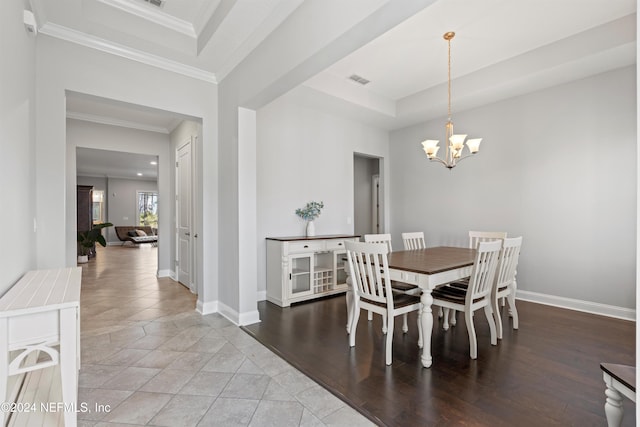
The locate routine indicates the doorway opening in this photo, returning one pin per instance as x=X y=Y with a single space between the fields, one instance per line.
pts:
x=368 y=200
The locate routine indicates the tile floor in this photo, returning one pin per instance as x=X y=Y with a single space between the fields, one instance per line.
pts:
x=151 y=359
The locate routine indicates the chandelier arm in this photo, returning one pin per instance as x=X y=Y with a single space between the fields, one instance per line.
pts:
x=464 y=157
x=438 y=159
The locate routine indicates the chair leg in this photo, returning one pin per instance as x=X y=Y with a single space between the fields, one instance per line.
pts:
x=389 y=338
x=497 y=317
x=370 y=316
x=453 y=319
x=471 y=330
x=440 y=314
x=405 y=327
x=511 y=299
x=384 y=324
x=354 y=325
x=349 y=299
x=445 y=325
x=488 y=312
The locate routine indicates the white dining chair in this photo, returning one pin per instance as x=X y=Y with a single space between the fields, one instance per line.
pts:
x=371 y=291
x=475 y=237
x=413 y=240
x=476 y=296
x=505 y=281
x=397 y=287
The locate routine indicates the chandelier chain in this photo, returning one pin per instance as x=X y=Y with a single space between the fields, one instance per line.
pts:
x=449 y=77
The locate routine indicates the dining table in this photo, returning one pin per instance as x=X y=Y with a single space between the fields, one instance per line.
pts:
x=427 y=269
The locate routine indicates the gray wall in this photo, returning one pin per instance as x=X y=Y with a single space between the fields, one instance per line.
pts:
x=123 y=203
x=17 y=145
x=556 y=166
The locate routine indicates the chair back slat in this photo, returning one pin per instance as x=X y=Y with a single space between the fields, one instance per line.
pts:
x=369 y=266
x=508 y=262
x=484 y=269
x=476 y=237
x=379 y=238
x=413 y=240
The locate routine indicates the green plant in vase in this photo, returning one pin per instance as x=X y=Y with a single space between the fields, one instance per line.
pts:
x=309 y=213
x=88 y=238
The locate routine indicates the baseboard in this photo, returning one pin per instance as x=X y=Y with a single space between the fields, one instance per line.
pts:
x=229 y=313
x=249 y=318
x=578 y=305
x=205 y=308
x=166 y=273
x=262 y=295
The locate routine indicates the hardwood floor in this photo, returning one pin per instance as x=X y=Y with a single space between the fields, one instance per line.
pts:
x=544 y=374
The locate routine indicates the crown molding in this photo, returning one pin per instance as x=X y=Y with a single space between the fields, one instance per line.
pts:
x=83 y=39
x=115 y=122
x=156 y=16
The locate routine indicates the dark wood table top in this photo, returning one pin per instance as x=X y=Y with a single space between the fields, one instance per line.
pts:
x=626 y=374
x=326 y=236
x=432 y=260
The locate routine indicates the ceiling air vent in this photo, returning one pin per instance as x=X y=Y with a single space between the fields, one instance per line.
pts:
x=356 y=78
x=158 y=3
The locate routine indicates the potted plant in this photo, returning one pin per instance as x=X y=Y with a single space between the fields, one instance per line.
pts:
x=88 y=238
x=310 y=212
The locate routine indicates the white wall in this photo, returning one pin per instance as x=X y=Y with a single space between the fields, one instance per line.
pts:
x=79 y=69
x=557 y=166
x=306 y=155
x=316 y=35
x=17 y=145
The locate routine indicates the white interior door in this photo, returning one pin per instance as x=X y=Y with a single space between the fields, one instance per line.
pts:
x=183 y=210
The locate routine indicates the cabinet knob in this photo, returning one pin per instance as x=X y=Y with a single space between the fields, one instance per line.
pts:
x=306 y=246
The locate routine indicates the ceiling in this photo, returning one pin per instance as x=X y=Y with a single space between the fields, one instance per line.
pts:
x=115 y=164
x=502 y=48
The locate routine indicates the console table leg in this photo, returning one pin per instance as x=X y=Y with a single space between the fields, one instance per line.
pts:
x=68 y=363
x=4 y=364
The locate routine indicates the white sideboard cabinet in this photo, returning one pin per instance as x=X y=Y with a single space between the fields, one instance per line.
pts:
x=302 y=268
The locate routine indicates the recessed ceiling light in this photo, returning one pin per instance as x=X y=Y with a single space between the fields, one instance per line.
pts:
x=139 y=174
x=154 y=163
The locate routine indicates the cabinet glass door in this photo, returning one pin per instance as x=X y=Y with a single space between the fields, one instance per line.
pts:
x=300 y=274
x=340 y=260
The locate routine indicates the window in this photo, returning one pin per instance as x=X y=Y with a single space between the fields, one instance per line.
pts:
x=98 y=199
x=148 y=208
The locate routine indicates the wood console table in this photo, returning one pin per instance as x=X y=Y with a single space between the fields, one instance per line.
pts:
x=38 y=315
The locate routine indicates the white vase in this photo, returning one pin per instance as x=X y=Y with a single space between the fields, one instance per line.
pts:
x=82 y=259
x=311 y=229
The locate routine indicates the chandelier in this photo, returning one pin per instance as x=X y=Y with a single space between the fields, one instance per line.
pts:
x=455 y=143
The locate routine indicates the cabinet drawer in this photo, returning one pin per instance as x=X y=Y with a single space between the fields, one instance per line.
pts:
x=335 y=244
x=306 y=246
